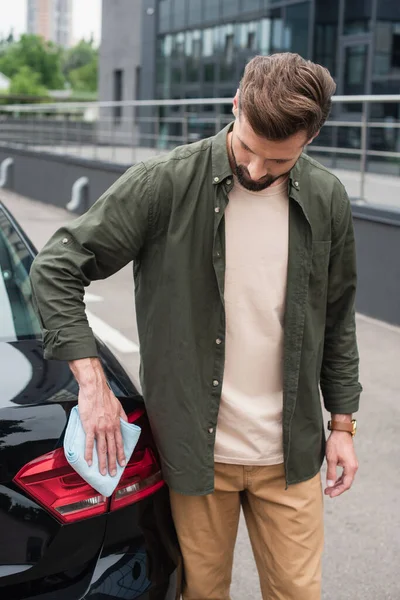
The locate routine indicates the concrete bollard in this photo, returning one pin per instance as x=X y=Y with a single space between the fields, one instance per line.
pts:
x=80 y=196
x=7 y=173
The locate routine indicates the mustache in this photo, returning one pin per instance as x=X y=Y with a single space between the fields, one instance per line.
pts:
x=247 y=182
x=255 y=186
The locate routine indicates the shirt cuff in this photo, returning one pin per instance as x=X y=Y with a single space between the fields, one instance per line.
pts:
x=344 y=401
x=70 y=343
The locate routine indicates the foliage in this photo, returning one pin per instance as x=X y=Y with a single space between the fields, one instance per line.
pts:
x=84 y=79
x=78 y=56
x=26 y=83
x=80 y=66
x=41 y=57
x=34 y=65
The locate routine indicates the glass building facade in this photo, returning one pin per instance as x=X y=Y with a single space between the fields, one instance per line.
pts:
x=202 y=47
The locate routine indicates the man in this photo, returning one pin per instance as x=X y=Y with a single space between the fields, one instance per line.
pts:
x=244 y=265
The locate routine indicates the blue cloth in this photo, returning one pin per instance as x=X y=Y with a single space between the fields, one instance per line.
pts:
x=74 y=449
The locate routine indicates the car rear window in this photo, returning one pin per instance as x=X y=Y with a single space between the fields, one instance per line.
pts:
x=18 y=320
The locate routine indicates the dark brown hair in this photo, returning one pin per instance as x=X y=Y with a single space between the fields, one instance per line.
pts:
x=283 y=94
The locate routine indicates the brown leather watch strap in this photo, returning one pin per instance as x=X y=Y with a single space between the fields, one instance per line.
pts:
x=342 y=426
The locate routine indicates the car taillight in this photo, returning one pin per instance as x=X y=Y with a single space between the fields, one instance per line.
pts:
x=52 y=482
x=142 y=475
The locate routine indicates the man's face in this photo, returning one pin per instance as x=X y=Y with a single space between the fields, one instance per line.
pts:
x=257 y=162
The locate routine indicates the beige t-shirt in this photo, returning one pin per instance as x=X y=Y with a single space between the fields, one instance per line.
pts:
x=249 y=429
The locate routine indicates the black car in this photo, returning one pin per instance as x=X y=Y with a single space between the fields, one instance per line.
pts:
x=60 y=539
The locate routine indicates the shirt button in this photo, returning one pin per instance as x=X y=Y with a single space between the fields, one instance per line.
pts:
x=296 y=183
x=216 y=179
x=218 y=341
x=217 y=209
x=211 y=430
x=228 y=181
x=65 y=241
x=215 y=383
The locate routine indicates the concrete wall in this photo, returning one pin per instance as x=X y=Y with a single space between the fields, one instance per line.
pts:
x=378 y=256
x=49 y=178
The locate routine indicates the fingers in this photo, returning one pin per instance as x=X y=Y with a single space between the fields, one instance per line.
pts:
x=120 y=447
x=331 y=475
x=101 y=443
x=89 y=447
x=342 y=485
x=344 y=482
x=107 y=448
x=111 y=453
x=100 y=413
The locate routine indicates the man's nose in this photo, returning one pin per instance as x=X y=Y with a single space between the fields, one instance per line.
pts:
x=256 y=170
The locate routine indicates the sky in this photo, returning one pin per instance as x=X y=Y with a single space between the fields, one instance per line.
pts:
x=86 y=18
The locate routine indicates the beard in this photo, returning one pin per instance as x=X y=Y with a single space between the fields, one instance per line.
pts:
x=247 y=182
x=255 y=186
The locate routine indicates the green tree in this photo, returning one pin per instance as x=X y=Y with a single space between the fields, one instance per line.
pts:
x=79 y=56
x=6 y=42
x=26 y=83
x=85 y=78
x=43 y=58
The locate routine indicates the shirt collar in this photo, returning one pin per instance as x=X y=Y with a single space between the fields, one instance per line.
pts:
x=221 y=168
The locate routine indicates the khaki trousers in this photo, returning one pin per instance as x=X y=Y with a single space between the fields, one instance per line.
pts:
x=285 y=529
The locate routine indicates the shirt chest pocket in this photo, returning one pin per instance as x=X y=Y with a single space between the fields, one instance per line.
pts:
x=320 y=266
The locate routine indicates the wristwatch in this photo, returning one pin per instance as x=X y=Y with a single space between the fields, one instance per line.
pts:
x=343 y=426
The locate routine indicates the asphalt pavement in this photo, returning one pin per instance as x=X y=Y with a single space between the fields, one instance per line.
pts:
x=362 y=537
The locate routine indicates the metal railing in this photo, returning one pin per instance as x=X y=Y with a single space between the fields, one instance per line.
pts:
x=362 y=133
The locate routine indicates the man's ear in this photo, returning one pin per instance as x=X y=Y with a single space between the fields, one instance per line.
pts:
x=313 y=138
x=235 y=107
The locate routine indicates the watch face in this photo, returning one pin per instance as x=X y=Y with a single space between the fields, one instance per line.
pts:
x=354 y=423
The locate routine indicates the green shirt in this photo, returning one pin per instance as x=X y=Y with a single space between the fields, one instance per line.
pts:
x=167 y=216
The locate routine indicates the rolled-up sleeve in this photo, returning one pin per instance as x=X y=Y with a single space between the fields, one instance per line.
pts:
x=340 y=367
x=94 y=246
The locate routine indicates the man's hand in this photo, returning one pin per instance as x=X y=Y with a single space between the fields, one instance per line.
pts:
x=340 y=453
x=100 y=412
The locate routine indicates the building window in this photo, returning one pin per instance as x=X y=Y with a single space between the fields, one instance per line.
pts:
x=395 y=50
x=229 y=48
x=227 y=41
x=176 y=75
x=230 y=8
x=178 y=45
x=276 y=30
x=211 y=10
x=164 y=15
x=326 y=34
x=387 y=48
x=355 y=66
x=265 y=37
x=247 y=36
x=179 y=14
x=161 y=71
x=209 y=72
x=252 y=5
x=118 y=93
x=195 y=12
x=208 y=42
x=357 y=16
x=193 y=53
x=164 y=48
x=296 y=28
